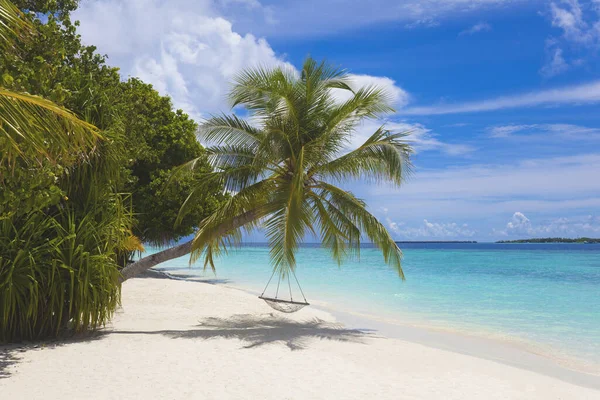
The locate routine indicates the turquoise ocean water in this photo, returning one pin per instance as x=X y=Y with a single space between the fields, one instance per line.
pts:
x=545 y=295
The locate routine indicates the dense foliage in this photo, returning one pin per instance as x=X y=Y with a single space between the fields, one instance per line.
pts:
x=158 y=140
x=72 y=212
x=56 y=65
x=61 y=7
x=58 y=258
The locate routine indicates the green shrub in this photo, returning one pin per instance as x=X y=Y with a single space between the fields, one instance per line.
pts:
x=57 y=273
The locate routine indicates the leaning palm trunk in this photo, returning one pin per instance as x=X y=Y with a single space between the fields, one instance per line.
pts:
x=282 y=170
x=171 y=253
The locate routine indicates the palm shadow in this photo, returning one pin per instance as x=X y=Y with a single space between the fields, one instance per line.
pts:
x=164 y=274
x=263 y=330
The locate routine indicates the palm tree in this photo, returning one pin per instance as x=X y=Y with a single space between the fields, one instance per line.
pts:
x=31 y=127
x=281 y=166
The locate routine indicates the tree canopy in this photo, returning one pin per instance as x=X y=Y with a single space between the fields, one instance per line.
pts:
x=60 y=7
x=155 y=138
x=84 y=158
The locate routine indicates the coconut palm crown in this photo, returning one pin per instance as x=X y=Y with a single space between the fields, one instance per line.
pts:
x=281 y=168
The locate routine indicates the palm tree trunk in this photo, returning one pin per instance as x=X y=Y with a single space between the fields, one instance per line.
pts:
x=180 y=250
x=150 y=261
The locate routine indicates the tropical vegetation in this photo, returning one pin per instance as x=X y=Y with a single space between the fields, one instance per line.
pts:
x=84 y=159
x=282 y=165
x=93 y=165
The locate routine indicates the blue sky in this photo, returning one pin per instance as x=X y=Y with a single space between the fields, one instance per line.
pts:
x=502 y=95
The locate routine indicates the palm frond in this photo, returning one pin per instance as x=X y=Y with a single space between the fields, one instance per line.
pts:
x=12 y=24
x=367 y=102
x=355 y=209
x=383 y=157
x=229 y=129
x=52 y=132
x=286 y=227
x=244 y=208
x=266 y=91
x=338 y=232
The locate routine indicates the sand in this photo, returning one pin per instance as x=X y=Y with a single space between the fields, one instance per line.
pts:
x=188 y=340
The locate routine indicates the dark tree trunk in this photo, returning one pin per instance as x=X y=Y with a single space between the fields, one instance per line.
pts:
x=152 y=260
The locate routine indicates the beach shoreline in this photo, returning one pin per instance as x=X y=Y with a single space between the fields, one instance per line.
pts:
x=180 y=338
x=487 y=345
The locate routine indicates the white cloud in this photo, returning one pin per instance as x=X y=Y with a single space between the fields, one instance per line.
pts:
x=398 y=97
x=393 y=226
x=588 y=93
x=479 y=27
x=186 y=49
x=427 y=229
x=251 y=4
x=556 y=66
x=507 y=130
x=183 y=47
x=421 y=138
x=520 y=225
x=579 y=24
x=333 y=17
x=482 y=192
x=547 y=177
x=545 y=132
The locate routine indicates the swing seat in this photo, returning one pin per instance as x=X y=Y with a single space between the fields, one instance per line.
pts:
x=285 y=306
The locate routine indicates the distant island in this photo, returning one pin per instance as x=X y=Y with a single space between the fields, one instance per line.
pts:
x=553 y=240
x=435 y=241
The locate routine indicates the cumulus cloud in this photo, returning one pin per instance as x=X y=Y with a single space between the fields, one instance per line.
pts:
x=432 y=230
x=520 y=225
x=187 y=49
x=393 y=226
x=588 y=93
x=479 y=27
x=398 y=97
x=183 y=47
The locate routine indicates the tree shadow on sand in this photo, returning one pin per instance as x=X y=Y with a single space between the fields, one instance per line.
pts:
x=262 y=330
x=9 y=353
x=8 y=357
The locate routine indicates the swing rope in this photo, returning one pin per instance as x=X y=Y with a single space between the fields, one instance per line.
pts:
x=286 y=306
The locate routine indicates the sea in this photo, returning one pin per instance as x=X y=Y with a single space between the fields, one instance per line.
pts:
x=542 y=296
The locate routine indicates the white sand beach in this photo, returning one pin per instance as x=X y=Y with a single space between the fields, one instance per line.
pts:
x=188 y=340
